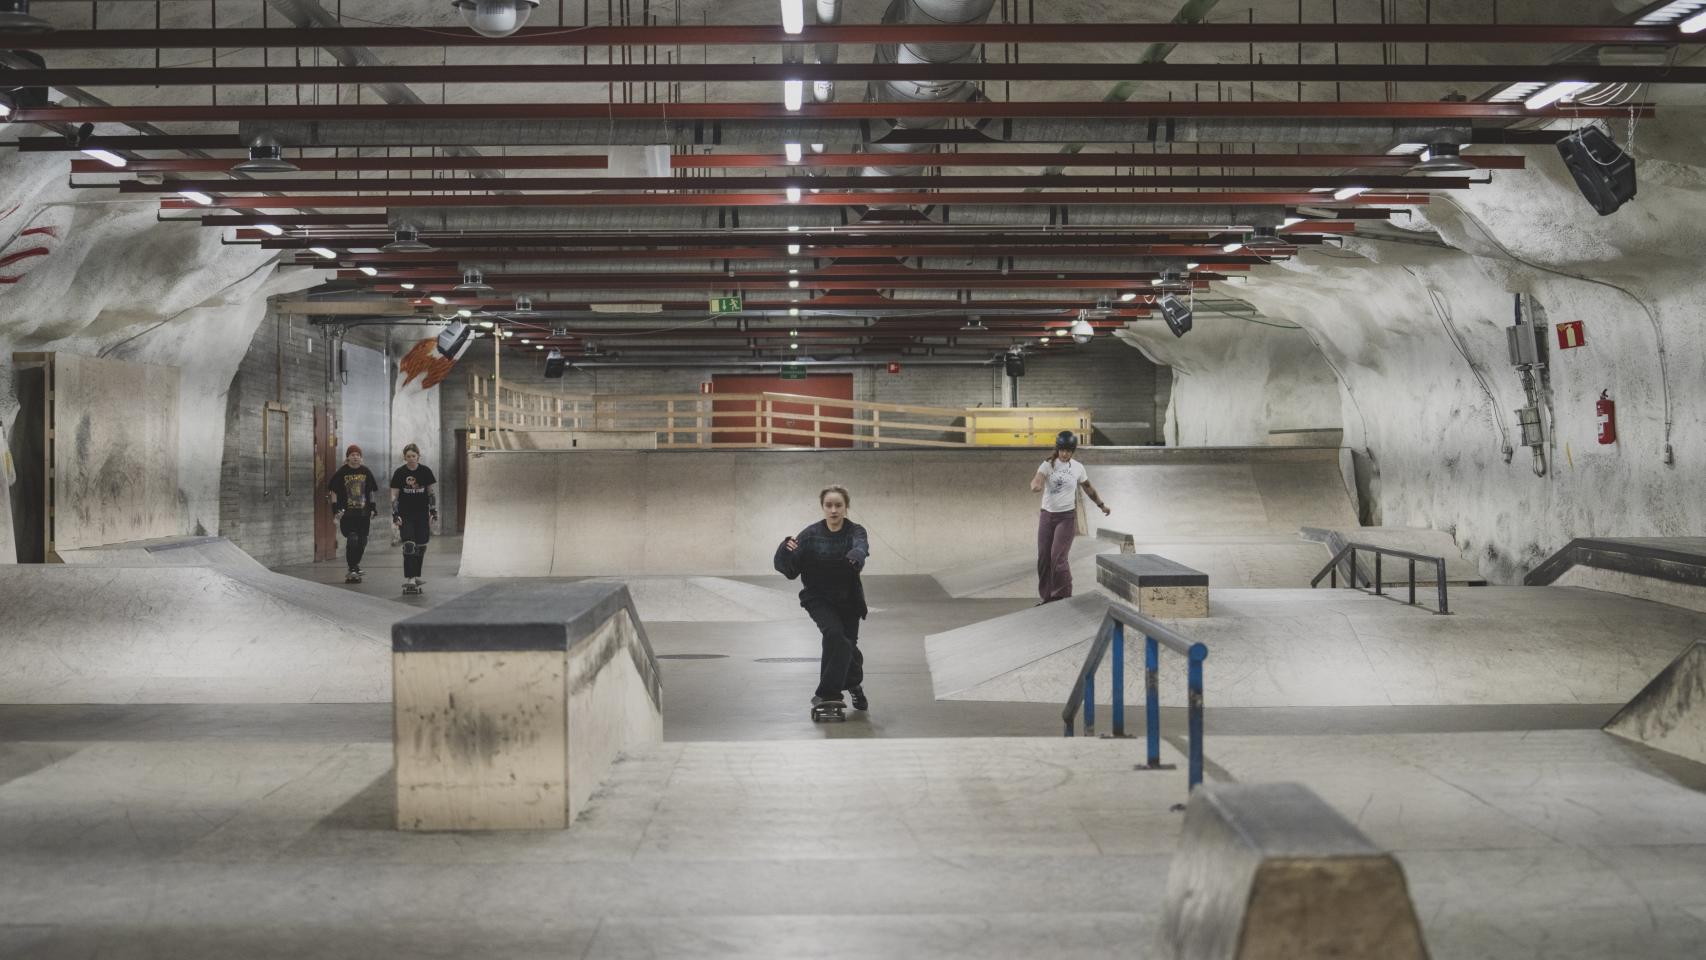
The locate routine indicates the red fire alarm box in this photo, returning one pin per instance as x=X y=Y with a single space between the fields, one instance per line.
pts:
x=704 y=386
x=1570 y=335
x=894 y=366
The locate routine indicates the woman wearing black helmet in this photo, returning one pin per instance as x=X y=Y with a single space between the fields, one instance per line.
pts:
x=1058 y=480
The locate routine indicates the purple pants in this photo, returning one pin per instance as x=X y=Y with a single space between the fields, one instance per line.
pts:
x=1054 y=545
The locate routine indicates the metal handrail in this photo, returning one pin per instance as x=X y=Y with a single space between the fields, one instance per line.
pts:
x=1112 y=634
x=1331 y=570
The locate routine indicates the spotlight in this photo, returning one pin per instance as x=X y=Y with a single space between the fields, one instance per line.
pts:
x=526 y=342
x=15 y=18
x=793 y=91
x=1233 y=247
x=791 y=151
x=323 y=253
x=1345 y=193
x=495 y=18
x=1177 y=315
x=487 y=324
x=1442 y=158
x=793 y=311
x=369 y=271
x=1192 y=265
x=197 y=196
x=792 y=227
x=464 y=312
x=793 y=16
x=793 y=194
x=793 y=284
x=265 y=156
x=406 y=286
x=435 y=298
x=270 y=230
x=474 y=284
x=793 y=249
x=406 y=239
x=1127 y=297
x=106 y=156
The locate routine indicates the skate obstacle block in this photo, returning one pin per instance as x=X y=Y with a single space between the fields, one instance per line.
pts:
x=1271 y=872
x=1127 y=543
x=512 y=701
x=1158 y=586
x=1669 y=714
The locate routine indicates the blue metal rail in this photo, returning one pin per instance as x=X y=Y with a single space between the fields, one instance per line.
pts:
x=1111 y=634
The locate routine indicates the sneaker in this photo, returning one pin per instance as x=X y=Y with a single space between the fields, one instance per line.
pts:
x=859 y=700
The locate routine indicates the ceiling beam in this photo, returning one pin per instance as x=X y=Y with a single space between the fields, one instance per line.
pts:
x=826 y=199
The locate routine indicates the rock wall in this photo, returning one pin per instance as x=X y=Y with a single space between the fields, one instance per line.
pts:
x=1415 y=331
x=101 y=276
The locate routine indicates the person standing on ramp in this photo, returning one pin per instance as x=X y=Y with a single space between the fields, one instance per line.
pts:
x=1058 y=480
x=352 y=490
x=828 y=557
x=414 y=512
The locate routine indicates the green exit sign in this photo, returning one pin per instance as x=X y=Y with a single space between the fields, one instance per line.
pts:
x=725 y=305
x=793 y=373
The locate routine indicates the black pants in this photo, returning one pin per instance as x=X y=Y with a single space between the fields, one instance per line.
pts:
x=843 y=664
x=418 y=531
x=356 y=525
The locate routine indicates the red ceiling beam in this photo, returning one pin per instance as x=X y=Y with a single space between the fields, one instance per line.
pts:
x=320 y=185
x=759 y=161
x=853 y=72
x=748 y=35
x=807 y=253
x=761 y=110
x=826 y=199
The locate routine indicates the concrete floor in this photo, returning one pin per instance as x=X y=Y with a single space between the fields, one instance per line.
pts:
x=924 y=828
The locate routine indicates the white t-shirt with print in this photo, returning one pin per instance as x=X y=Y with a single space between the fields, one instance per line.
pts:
x=1060 y=484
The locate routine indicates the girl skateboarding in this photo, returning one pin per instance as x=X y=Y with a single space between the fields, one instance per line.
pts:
x=414 y=512
x=828 y=556
x=1058 y=480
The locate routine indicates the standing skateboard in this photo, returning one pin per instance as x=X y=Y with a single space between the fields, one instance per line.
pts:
x=411 y=589
x=829 y=710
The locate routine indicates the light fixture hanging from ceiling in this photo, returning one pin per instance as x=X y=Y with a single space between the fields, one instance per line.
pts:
x=975 y=325
x=1082 y=331
x=495 y=18
x=266 y=155
x=406 y=239
x=1263 y=238
x=15 y=18
x=1442 y=157
x=523 y=304
x=474 y=284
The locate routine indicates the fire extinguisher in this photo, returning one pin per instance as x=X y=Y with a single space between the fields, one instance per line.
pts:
x=1606 y=410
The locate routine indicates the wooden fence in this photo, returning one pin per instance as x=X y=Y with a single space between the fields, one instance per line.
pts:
x=498 y=416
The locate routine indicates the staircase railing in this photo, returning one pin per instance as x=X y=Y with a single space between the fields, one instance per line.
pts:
x=1349 y=552
x=1111 y=634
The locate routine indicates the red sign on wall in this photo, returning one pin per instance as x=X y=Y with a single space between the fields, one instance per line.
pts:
x=894 y=366
x=1570 y=335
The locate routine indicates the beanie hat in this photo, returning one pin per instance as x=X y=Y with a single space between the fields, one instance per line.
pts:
x=352 y=448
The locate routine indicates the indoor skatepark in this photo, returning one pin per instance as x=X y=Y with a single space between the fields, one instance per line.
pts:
x=1389 y=646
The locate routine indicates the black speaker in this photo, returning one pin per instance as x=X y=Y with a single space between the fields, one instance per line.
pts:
x=1177 y=315
x=1603 y=172
x=554 y=365
x=1015 y=364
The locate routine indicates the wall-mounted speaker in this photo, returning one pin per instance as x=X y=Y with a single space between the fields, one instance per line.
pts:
x=1177 y=315
x=554 y=365
x=1603 y=172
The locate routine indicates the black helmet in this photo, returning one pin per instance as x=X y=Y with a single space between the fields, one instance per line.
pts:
x=1065 y=440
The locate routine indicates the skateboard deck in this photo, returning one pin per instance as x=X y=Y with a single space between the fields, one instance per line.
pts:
x=829 y=710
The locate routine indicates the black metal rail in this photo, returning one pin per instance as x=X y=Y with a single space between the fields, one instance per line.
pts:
x=1349 y=552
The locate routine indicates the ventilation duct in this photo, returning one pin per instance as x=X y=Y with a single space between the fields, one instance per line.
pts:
x=927 y=12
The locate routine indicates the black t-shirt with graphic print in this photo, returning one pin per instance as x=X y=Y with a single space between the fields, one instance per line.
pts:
x=352 y=487
x=412 y=491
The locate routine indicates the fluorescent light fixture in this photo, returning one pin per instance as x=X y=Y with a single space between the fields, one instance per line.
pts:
x=1233 y=247
x=791 y=151
x=793 y=249
x=107 y=157
x=817 y=148
x=406 y=286
x=793 y=269
x=793 y=284
x=1407 y=148
x=525 y=341
x=1345 y=193
x=1128 y=297
x=323 y=252
x=1562 y=90
x=1156 y=282
x=537 y=346
x=793 y=311
x=1515 y=92
x=369 y=271
x=464 y=312
x=270 y=229
x=1693 y=24
x=486 y=324
x=793 y=194
x=197 y=196
x=793 y=16
x=1290 y=222
x=5 y=109
x=793 y=228
x=435 y=298
x=1043 y=340
x=793 y=346
x=793 y=91
x=1192 y=265
x=1670 y=13
x=508 y=334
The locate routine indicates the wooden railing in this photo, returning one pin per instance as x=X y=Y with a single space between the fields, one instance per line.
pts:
x=499 y=416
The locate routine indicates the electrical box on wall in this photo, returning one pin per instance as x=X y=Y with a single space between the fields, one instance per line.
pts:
x=1570 y=335
x=1524 y=342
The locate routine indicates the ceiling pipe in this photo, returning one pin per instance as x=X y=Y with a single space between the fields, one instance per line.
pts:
x=922 y=91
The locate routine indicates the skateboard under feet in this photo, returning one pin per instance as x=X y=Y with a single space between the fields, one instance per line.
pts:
x=829 y=710
x=352 y=578
x=411 y=589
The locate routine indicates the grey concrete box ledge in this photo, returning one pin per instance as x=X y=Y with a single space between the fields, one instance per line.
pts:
x=1271 y=870
x=1145 y=570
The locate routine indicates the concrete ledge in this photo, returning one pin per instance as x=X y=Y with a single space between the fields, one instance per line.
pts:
x=511 y=703
x=1158 y=586
x=1270 y=871
x=1127 y=543
x=1669 y=714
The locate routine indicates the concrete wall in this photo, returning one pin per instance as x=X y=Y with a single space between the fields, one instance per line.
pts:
x=1415 y=332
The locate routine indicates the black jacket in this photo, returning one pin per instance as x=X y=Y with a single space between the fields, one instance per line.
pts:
x=828 y=564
